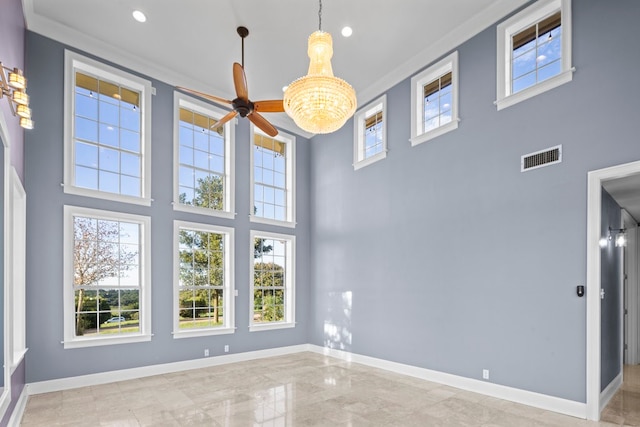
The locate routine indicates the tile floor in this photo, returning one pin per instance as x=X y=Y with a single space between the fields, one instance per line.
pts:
x=624 y=407
x=304 y=389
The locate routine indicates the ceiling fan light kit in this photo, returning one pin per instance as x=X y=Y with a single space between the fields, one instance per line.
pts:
x=320 y=102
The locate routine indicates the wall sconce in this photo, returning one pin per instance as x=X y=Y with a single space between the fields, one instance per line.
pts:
x=13 y=85
x=620 y=238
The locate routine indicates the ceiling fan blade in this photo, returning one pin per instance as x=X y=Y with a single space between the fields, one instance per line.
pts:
x=230 y=115
x=205 y=95
x=240 y=82
x=262 y=123
x=271 y=106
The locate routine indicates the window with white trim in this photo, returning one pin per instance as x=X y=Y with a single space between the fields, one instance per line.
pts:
x=370 y=139
x=272 y=281
x=107 y=292
x=273 y=178
x=434 y=100
x=204 y=175
x=534 y=51
x=107 y=132
x=203 y=280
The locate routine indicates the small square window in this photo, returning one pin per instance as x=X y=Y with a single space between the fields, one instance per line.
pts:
x=370 y=139
x=534 y=51
x=434 y=100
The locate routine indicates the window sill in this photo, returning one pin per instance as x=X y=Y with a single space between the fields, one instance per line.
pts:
x=86 y=192
x=203 y=211
x=424 y=137
x=202 y=332
x=553 y=82
x=257 y=327
x=370 y=160
x=289 y=224
x=95 y=342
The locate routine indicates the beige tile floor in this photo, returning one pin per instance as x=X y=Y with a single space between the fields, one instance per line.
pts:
x=624 y=407
x=304 y=389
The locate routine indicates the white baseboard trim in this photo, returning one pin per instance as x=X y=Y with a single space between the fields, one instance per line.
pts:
x=542 y=401
x=18 y=411
x=147 y=371
x=610 y=391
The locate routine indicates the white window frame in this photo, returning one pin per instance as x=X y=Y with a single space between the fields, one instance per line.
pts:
x=379 y=105
x=437 y=70
x=76 y=62
x=229 y=287
x=290 y=286
x=520 y=21
x=70 y=340
x=181 y=100
x=290 y=144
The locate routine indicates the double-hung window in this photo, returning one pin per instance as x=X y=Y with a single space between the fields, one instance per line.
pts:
x=370 y=139
x=203 y=280
x=107 y=292
x=434 y=100
x=273 y=178
x=272 y=281
x=204 y=176
x=107 y=132
x=534 y=51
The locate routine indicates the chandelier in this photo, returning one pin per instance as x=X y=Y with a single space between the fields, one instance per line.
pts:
x=320 y=102
x=13 y=86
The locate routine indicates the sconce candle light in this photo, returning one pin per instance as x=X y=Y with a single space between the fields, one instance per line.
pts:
x=620 y=239
x=13 y=85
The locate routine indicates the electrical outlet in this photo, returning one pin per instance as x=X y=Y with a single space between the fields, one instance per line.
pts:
x=226 y=349
x=206 y=352
x=485 y=374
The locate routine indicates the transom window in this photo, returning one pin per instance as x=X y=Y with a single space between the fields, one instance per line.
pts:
x=534 y=51
x=106 y=142
x=370 y=140
x=106 y=268
x=204 y=158
x=273 y=178
x=203 y=278
x=434 y=100
x=272 y=286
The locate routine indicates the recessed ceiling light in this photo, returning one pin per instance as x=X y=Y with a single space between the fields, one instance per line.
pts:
x=139 y=16
x=347 y=31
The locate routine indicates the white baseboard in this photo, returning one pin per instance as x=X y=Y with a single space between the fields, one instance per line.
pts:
x=542 y=401
x=18 y=411
x=550 y=403
x=610 y=391
x=147 y=371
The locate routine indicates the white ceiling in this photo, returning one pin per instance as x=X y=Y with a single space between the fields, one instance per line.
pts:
x=626 y=191
x=193 y=43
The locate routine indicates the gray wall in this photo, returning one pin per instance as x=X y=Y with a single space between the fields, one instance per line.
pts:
x=445 y=256
x=611 y=305
x=46 y=358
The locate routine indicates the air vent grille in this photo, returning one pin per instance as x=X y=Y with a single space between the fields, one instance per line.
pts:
x=546 y=157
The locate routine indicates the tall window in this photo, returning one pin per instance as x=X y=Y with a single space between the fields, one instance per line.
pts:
x=272 y=286
x=534 y=51
x=204 y=159
x=107 y=122
x=203 y=278
x=370 y=139
x=273 y=177
x=434 y=100
x=107 y=293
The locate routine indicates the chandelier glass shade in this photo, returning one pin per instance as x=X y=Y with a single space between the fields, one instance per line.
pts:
x=320 y=102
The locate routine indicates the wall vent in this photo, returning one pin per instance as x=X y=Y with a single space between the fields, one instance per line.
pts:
x=546 y=157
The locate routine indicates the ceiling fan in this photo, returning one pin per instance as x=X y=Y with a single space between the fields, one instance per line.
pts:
x=242 y=105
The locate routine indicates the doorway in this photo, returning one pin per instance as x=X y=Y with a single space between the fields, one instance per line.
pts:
x=614 y=179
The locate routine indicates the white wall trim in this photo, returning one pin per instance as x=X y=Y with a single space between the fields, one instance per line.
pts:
x=594 y=214
x=18 y=411
x=166 y=368
x=610 y=391
x=549 y=403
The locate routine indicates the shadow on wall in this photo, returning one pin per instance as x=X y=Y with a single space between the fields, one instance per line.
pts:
x=337 y=326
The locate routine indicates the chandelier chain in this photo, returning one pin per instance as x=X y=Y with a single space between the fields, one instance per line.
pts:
x=320 y=16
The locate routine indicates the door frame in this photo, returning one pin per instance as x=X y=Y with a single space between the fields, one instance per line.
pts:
x=631 y=320
x=594 y=233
